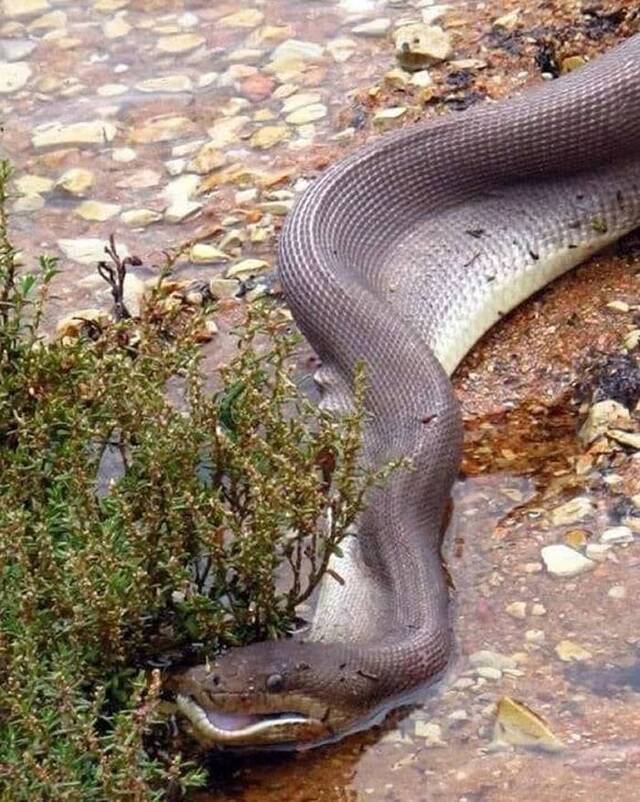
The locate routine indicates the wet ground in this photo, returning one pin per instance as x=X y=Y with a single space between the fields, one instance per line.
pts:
x=168 y=122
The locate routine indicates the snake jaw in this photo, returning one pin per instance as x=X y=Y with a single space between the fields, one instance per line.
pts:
x=212 y=727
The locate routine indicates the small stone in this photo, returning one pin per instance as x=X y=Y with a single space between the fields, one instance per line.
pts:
x=632 y=339
x=421 y=78
x=307 y=114
x=517 y=610
x=538 y=609
x=617 y=535
x=576 y=538
x=492 y=660
x=508 y=21
x=33 y=184
x=463 y=683
x=175 y=166
x=598 y=551
x=535 y=636
x=247 y=267
x=97 y=211
x=116 y=28
x=277 y=207
x=16 y=49
x=575 y=510
x=299 y=100
x=226 y=132
x=258 y=86
x=617 y=592
x=631 y=439
x=618 y=306
x=201 y=253
x=458 y=715
x=23 y=8
x=342 y=49
x=297 y=49
x=568 y=651
x=160 y=129
x=94 y=132
x=87 y=251
x=269 y=136
x=572 y=63
x=112 y=90
x=28 y=203
x=140 y=218
x=387 y=117
x=123 y=155
x=168 y=83
x=602 y=416
x=375 y=27
x=247 y=18
x=432 y=733
x=562 y=561
x=487 y=672
x=181 y=209
x=180 y=42
x=76 y=181
x=13 y=76
x=419 y=46
x=223 y=287
x=518 y=725
x=207 y=159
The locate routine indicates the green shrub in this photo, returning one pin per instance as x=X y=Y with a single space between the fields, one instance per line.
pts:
x=210 y=497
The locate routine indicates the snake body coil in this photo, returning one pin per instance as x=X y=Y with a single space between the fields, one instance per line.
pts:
x=402 y=255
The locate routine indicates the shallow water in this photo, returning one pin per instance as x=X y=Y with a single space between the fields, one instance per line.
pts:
x=100 y=63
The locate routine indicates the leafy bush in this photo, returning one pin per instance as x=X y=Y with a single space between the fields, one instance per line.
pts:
x=144 y=519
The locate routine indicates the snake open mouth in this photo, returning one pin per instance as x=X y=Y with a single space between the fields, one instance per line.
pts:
x=221 y=727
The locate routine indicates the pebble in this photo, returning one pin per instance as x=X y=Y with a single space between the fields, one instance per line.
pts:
x=617 y=535
x=598 y=551
x=270 y=135
x=631 y=439
x=518 y=725
x=163 y=128
x=508 y=21
x=385 y=118
x=13 y=76
x=201 y=253
x=220 y=287
x=375 y=27
x=297 y=49
x=33 y=184
x=575 y=510
x=568 y=651
x=207 y=159
x=84 y=133
x=123 y=155
x=418 y=46
x=560 y=560
x=226 y=132
x=538 y=609
x=97 y=211
x=491 y=659
x=76 y=181
x=140 y=218
x=488 y=672
x=618 y=306
x=535 y=636
x=617 y=592
x=112 y=90
x=16 y=49
x=572 y=63
x=116 y=28
x=87 y=251
x=432 y=733
x=307 y=114
x=342 y=49
x=23 y=8
x=181 y=209
x=421 y=78
x=602 y=416
x=517 y=610
x=247 y=267
x=168 y=83
x=180 y=42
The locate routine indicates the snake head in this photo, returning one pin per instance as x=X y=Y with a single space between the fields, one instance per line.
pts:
x=273 y=694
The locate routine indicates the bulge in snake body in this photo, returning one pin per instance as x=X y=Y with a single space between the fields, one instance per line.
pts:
x=489 y=272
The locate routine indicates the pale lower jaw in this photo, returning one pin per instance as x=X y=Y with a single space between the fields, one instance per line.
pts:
x=230 y=728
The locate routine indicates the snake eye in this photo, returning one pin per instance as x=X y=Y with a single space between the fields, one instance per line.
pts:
x=275 y=682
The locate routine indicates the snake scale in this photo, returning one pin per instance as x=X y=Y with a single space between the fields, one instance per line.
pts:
x=402 y=255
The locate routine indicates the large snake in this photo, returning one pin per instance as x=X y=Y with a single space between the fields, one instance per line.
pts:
x=402 y=255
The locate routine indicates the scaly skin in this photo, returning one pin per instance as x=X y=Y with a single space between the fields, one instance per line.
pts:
x=403 y=255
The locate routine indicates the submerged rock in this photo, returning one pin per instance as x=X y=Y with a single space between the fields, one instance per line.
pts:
x=560 y=560
x=518 y=725
x=574 y=510
x=419 y=46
